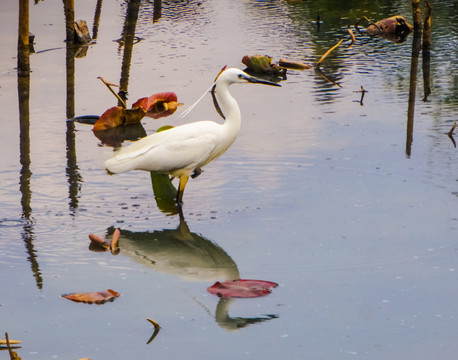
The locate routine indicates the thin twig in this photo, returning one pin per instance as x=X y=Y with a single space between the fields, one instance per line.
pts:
x=156 y=329
x=353 y=39
x=328 y=52
x=109 y=85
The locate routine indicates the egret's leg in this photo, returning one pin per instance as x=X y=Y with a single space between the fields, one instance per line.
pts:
x=182 y=185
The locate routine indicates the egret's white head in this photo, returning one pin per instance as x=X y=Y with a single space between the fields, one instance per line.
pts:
x=233 y=75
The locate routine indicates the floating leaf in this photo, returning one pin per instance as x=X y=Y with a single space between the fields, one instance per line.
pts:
x=95 y=297
x=242 y=288
x=158 y=105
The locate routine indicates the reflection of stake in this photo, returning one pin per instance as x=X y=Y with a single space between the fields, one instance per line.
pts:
x=109 y=85
x=156 y=330
x=450 y=134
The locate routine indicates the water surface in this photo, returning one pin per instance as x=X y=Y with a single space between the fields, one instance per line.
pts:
x=320 y=194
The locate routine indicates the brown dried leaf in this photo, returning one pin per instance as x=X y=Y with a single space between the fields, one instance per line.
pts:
x=94 y=297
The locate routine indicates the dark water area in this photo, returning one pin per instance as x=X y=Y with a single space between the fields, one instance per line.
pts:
x=351 y=207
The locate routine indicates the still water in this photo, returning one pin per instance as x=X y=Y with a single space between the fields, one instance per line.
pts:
x=351 y=214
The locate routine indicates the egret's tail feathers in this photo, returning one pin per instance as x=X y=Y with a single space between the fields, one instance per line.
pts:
x=119 y=165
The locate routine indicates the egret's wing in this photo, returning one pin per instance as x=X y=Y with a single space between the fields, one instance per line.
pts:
x=171 y=149
x=171 y=156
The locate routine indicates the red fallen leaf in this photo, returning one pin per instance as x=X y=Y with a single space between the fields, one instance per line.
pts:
x=116 y=116
x=111 y=118
x=242 y=288
x=158 y=105
x=95 y=297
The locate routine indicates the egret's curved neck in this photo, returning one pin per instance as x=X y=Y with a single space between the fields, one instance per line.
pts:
x=230 y=107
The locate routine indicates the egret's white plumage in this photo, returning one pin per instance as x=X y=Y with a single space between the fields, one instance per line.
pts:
x=182 y=149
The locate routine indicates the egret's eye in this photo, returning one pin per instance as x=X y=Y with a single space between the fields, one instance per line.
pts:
x=240 y=76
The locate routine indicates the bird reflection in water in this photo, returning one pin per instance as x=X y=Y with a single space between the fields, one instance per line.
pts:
x=178 y=252
x=190 y=256
x=235 y=323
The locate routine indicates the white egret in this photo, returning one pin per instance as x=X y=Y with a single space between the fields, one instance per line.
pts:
x=181 y=150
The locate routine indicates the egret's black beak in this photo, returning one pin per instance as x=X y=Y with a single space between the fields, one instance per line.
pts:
x=256 y=80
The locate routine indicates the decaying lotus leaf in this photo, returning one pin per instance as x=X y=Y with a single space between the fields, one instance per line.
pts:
x=133 y=116
x=95 y=297
x=158 y=105
x=395 y=29
x=242 y=288
x=262 y=64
